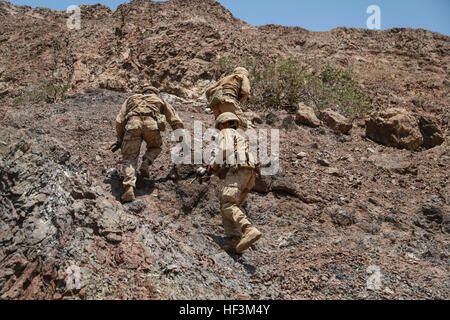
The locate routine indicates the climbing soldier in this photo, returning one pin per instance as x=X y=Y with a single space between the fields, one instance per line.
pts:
x=141 y=118
x=236 y=165
x=229 y=93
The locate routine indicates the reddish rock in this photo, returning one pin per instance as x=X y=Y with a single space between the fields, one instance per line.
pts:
x=432 y=134
x=335 y=121
x=174 y=44
x=394 y=128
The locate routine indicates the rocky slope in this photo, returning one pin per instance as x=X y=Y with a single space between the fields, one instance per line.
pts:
x=174 y=43
x=342 y=208
x=341 y=205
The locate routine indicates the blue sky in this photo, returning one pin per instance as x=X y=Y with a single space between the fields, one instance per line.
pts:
x=315 y=15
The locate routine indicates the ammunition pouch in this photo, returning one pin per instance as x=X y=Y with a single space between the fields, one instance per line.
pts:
x=230 y=95
x=216 y=97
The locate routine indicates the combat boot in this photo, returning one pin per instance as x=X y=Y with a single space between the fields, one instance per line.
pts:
x=128 y=196
x=143 y=170
x=231 y=246
x=251 y=235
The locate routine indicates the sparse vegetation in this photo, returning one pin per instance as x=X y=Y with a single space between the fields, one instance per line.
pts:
x=284 y=83
x=223 y=65
x=336 y=89
x=46 y=91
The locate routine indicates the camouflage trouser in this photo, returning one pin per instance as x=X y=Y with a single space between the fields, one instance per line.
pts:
x=230 y=107
x=131 y=148
x=238 y=184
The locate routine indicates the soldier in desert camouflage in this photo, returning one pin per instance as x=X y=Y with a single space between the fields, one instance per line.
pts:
x=141 y=118
x=229 y=93
x=237 y=166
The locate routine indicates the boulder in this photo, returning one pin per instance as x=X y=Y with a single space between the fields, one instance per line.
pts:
x=395 y=162
x=281 y=182
x=305 y=115
x=433 y=216
x=335 y=121
x=431 y=133
x=394 y=127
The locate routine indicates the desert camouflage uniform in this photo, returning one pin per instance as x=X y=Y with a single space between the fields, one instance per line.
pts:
x=238 y=170
x=137 y=122
x=236 y=89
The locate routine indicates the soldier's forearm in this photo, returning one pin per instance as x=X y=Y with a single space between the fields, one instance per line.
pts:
x=172 y=117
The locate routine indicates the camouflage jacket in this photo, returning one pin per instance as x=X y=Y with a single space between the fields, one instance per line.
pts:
x=143 y=111
x=236 y=86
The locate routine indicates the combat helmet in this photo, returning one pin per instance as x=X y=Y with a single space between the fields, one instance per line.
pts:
x=227 y=117
x=241 y=70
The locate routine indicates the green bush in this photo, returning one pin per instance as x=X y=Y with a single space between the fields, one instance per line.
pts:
x=334 y=88
x=282 y=84
x=46 y=91
x=276 y=85
x=55 y=92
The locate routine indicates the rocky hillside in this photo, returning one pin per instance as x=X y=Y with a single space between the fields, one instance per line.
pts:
x=354 y=202
x=175 y=43
x=341 y=205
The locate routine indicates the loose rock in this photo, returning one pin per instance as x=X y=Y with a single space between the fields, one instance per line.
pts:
x=335 y=121
x=305 y=115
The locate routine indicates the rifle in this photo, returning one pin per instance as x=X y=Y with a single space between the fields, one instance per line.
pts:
x=204 y=172
x=201 y=175
x=116 y=146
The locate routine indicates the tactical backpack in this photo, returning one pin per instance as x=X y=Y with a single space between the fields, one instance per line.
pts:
x=139 y=101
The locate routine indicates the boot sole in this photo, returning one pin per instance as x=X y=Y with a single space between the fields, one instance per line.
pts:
x=255 y=237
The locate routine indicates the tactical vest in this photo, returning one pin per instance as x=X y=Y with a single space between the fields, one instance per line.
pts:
x=241 y=154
